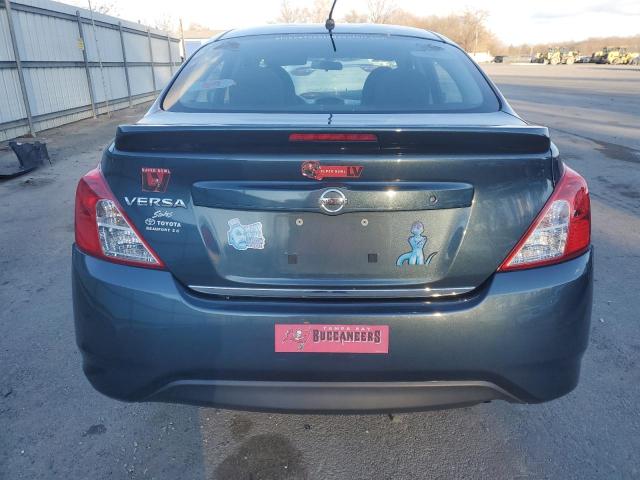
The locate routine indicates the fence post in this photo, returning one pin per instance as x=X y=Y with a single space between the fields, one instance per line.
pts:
x=86 y=64
x=124 y=61
x=153 y=72
x=170 y=54
x=184 y=49
x=16 y=55
x=107 y=92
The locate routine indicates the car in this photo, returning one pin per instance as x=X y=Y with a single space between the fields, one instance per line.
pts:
x=381 y=233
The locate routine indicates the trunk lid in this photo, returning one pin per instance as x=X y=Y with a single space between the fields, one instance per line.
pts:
x=233 y=207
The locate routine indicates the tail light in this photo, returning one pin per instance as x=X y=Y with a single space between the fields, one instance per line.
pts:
x=103 y=230
x=561 y=231
x=333 y=137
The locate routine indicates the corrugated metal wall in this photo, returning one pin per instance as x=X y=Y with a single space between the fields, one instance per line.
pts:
x=60 y=84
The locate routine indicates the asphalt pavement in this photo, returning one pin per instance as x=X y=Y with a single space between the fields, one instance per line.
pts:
x=54 y=425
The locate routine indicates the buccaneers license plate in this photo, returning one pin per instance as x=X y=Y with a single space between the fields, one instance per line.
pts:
x=316 y=338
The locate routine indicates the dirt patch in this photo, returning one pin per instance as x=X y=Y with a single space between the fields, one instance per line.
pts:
x=263 y=457
x=611 y=150
x=37 y=182
x=98 y=429
x=241 y=425
x=617 y=152
x=624 y=189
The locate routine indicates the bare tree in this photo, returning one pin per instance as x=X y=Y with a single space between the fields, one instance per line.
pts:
x=319 y=11
x=468 y=29
x=164 y=23
x=381 y=11
x=197 y=30
x=290 y=14
x=356 y=17
x=472 y=28
x=106 y=8
x=98 y=6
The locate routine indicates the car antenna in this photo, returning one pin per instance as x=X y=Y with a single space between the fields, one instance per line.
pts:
x=330 y=24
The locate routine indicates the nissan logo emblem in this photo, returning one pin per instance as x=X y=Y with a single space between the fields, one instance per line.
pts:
x=332 y=200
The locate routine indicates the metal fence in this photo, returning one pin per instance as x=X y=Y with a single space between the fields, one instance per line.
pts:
x=59 y=64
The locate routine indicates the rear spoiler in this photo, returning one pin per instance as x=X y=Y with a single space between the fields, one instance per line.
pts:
x=433 y=140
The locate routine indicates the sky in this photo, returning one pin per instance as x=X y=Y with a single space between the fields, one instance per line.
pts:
x=513 y=21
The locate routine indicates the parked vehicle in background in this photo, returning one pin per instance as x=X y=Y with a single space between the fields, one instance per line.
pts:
x=622 y=57
x=616 y=56
x=596 y=57
x=556 y=56
x=539 y=57
x=354 y=223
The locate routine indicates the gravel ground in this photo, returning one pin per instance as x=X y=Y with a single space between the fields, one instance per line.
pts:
x=53 y=425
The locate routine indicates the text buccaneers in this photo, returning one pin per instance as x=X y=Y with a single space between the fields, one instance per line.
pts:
x=346 y=337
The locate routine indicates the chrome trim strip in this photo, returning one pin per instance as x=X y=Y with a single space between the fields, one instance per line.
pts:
x=331 y=293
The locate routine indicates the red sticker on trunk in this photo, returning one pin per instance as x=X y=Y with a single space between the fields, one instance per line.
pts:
x=320 y=172
x=314 y=338
x=155 y=179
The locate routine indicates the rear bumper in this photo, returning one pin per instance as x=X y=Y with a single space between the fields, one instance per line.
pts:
x=345 y=397
x=143 y=336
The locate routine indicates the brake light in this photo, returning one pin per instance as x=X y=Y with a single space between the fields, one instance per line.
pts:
x=561 y=231
x=333 y=137
x=103 y=230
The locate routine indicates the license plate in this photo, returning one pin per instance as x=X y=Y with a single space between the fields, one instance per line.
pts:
x=317 y=338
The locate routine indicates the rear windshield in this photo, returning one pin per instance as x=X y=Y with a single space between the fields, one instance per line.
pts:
x=302 y=73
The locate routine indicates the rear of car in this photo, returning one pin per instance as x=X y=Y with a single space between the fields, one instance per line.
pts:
x=293 y=227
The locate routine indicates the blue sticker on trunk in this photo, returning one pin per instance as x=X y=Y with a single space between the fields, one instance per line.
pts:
x=244 y=237
x=417 y=241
